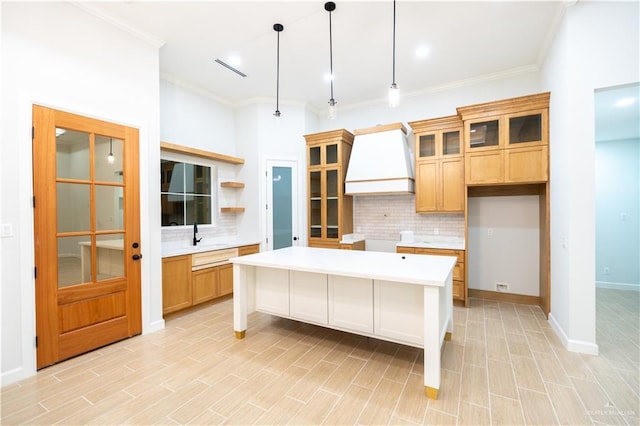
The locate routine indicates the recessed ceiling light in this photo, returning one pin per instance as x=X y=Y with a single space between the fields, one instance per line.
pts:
x=623 y=102
x=422 y=52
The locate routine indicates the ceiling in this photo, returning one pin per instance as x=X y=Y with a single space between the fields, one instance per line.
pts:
x=466 y=40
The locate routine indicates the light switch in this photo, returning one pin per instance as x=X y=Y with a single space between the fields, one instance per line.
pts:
x=7 y=230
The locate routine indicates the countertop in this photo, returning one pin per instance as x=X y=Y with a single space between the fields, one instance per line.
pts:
x=397 y=267
x=178 y=248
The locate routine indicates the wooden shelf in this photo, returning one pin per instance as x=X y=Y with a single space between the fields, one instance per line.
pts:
x=232 y=209
x=232 y=184
x=166 y=146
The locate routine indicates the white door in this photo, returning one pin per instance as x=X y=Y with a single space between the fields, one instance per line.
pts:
x=282 y=206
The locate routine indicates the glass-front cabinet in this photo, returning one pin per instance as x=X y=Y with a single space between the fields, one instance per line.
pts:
x=330 y=211
x=507 y=141
x=439 y=165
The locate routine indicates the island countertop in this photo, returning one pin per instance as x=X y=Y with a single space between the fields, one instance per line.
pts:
x=407 y=268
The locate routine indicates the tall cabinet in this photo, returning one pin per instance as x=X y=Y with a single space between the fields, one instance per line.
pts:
x=439 y=163
x=330 y=210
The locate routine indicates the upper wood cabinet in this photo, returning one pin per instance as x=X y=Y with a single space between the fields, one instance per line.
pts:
x=330 y=211
x=507 y=141
x=439 y=158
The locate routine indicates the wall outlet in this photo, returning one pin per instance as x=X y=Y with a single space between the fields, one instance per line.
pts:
x=502 y=287
x=436 y=231
x=490 y=232
x=606 y=270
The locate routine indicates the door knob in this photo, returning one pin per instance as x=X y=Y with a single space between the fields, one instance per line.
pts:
x=295 y=238
x=136 y=257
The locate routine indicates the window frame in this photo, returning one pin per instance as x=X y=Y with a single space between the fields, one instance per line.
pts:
x=197 y=161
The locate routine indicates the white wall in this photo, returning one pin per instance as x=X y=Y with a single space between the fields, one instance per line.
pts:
x=617 y=208
x=57 y=55
x=596 y=46
x=504 y=243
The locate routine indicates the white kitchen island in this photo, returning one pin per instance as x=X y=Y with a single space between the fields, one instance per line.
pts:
x=402 y=298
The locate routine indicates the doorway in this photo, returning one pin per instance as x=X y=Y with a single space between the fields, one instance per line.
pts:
x=282 y=208
x=87 y=233
x=617 y=220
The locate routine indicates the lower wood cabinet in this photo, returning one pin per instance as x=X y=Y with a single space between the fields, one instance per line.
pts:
x=176 y=283
x=459 y=289
x=186 y=282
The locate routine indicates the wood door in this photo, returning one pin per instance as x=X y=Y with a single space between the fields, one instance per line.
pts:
x=87 y=233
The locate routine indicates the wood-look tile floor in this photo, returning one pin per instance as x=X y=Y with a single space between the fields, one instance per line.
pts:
x=504 y=365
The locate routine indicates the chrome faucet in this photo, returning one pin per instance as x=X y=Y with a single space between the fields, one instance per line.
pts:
x=195 y=231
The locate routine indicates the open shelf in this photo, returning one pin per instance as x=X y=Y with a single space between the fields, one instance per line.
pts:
x=232 y=209
x=232 y=184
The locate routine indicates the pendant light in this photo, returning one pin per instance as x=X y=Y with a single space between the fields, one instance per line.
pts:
x=110 y=158
x=330 y=7
x=278 y=28
x=394 y=91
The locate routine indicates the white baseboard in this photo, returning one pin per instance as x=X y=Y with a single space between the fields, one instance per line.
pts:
x=572 y=345
x=154 y=326
x=15 y=375
x=618 y=286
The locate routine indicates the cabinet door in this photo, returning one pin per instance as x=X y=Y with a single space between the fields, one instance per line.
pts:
x=272 y=291
x=481 y=135
x=332 y=204
x=426 y=186
x=225 y=278
x=308 y=296
x=206 y=285
x=426 y=148
x=251 y=249
x=452 y=185
x=527 y=128
x=176 y=283
x=527 y=164
x=398 y=311
x=484 y=167
x=315 y=204
x=351 y=303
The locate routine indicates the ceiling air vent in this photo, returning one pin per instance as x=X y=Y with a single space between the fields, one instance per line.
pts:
x=229 y=67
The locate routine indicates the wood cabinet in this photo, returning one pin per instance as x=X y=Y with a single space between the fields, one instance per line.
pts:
x=176 y=283
x=356 y=245
x=192 y=279
x=459 y=273
x=506 y=142
x=439 y=158
x=330 y=211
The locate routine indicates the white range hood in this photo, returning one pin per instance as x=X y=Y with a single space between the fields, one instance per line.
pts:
x=380 y=162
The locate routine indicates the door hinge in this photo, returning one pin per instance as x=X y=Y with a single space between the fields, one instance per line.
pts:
x=35 y=272
x=34 y=201
x=266 y=206
x=33 y=132
x=36 y=341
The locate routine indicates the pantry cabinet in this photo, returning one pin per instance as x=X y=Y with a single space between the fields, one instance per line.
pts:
x=506 y=142
x=439 y=163
x=330 y=211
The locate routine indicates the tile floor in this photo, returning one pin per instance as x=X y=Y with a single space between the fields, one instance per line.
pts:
x=504 y=365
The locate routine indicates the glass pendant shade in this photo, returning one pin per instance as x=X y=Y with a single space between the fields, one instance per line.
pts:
x=394 y=95
x=332 y=109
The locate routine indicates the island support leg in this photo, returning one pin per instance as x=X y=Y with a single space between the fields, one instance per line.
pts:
x=240 y=300
x=431 y=341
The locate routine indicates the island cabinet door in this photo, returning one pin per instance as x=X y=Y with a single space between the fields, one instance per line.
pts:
x=308 y=296
x=272 y=291
x=351 y=303
x=398 y=311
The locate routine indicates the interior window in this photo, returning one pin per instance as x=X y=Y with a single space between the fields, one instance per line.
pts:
x=186 y=193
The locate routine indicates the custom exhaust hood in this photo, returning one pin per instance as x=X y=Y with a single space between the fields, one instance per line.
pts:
x=380 y=162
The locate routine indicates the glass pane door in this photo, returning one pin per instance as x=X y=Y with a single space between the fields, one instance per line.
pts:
x=332 y=204
x=315 y=205
x=282 y=211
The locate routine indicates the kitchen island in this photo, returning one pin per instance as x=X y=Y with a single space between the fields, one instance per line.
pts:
x=402 y=298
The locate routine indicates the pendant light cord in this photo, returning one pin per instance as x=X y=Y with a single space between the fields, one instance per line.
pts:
x=394 y=42
x=330 y=55
x=278 y=74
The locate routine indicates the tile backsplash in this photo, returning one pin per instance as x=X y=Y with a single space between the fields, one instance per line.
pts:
x=382 y=217
x=225 y=227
